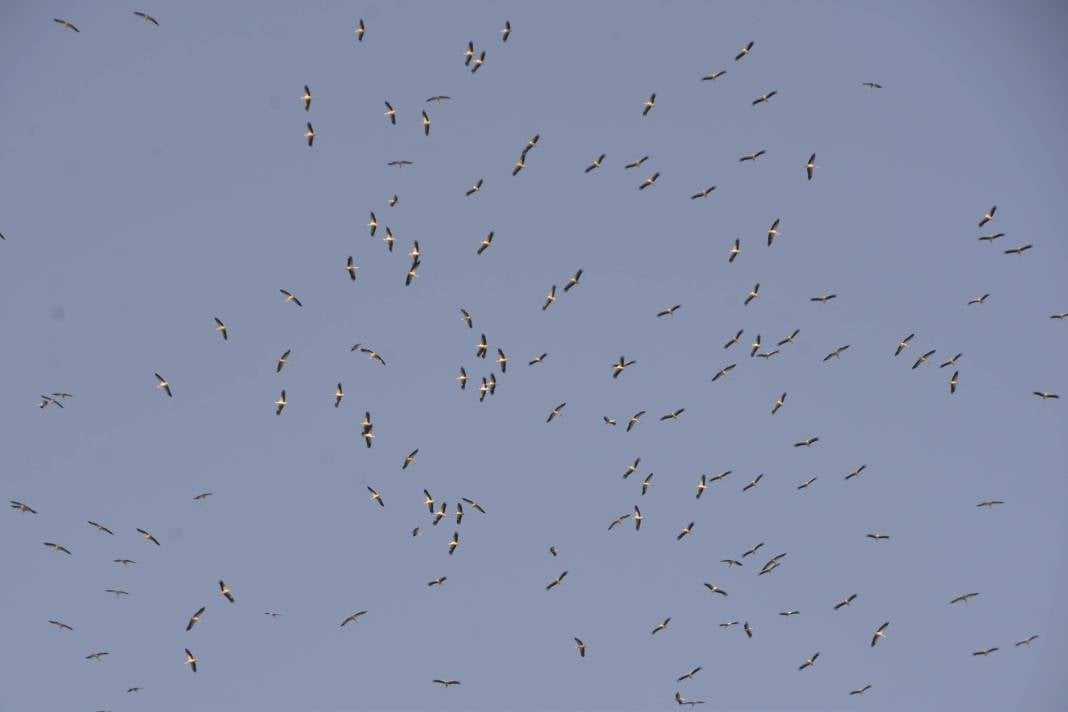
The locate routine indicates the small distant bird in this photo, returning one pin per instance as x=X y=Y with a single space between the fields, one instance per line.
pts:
x=573 y=280
x=203 y=496
x=117 y=593
x=649 y=104
x=638 y=518
x=923 y=359
x=845 y=601
x=391 y=113
x=807 y=443
x=963 y=598
x=190 y=660
x=744 y=51
x=146 y=18
x=810 y=167
x=164 y=385
x=763 y=98
x=991 y=237
x=281 y=402
x=393 y=201
x=984 y=652
x=635 y=164
x=748 y=630
x=904 y=344
x=360 y=30
x=309 y=133
x=66 y=23
x=475 y=188
x=787 y=614
x=715 y=589
x=661 y=626
x=753 y=483
x=353 y=618
x=872 y=85
x=581 y=647
x=877 y=537
x=990 y=503
x=837 y=353
x=988 y=216
x=101 y=528
x=860 y=690
x=466 y=316
x=809 y=662
x=550 y=298
x=438 y=581
x=618 y=368
x=647 y=483
x=724 y=371
x=455 y=542
x=221 y=327
x=734 y=340
x=475 y=505
x=194 y=619
x=469 y=53
x=479 y=62
x=401 y=163
x=673 y=415
x=537 y=359
x=446 y=683
x=713 y=76
x=596 y=164
x=1025 y=641
x=649 y=181
x=703 y=193
x=148 y=536
x=670 y=311
x=752 y=156
x=753 y=294
x=1018 y=250
x=290 y=297
x=806 y=483
x=282 y=361
x=22 y=507
x=486 y=242
x=978 y=300
x=689 y=675
x=98 y=655
x=556 y=581
x=555 y=412
x=951 y=361
x=778 y=404
x=409 y=458
x=880 y=632
x=1044 y=395
x=61 y=625
x=773 y=231
x=953 y=382
x=824 y=298
x=736 y=250
x=634 y=420
x=375 y=496
x=685 y=530
x=307 y=98
x=790 y=339
x=507 y=31
x=856 y=472
x=426 y=124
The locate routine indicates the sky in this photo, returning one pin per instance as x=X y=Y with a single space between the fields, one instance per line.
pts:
x=154 y=178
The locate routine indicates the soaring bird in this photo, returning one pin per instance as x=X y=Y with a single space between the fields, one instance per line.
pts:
x=221 y=328
x=537 y=359
x=670 y=311
x=991 y=237
x=409 y=458
x=446 y=683
x=146 y=18
x=618 y=368
x=555 y=412
x=809 y=662
x=486 y=242
x=723 y=372
x=282 y=361
x=764 y=97
x=685 y=530
x=190 y=660
x=61 y=625
x=469 y=53
x=877 y=536
x=647 y=483
x=454 y=542
x=1045 y=395
x=482 y=348
x=856 y=472
x=391 y=113
x=923 y=359
x=953 y=382
x=438 y=581
x=1025 y=641
x=978 y=300
x=963 y=598
x=479 y=62
x=195 y=618
x=736 y=249
x=823 y=298
x=773 y=231
x=702 y=485
x=703 y=193
x=634 y=420
x=281 y=402
x=807 y=442
x=810 y=167
x=806 y=483
x=360 y=30
x=649 y=104
x=713 y=76
x=752 y=156
x=715 y=589
x=951 y=361
x=290 y=297
x=638 y=518
x=880 y=632
x=753 y=294
x=673 y=415
x=778 y=404
x=860 y=690
x=307 y=98
x=689 y=675
x=148 y=536
x=309 y=133
x=649 y=181
x=743 y=52
x=581 y=647
x=426 y=124
x=661 y=626
x=225 y=592
x=556 y=581
x=506 y=32
x=903 y=344
x=1018 y=250
x=985 y=651
x=66 y=23
x=375 y=496
x=98 y=655
x=990 y=503
x=734 y=340
x=845 y=601
x=100 y=528
x=596 y=164
x=872 y=85
x=549 y=298
x=988 y=216
x=573 y=280
x=635 y=164
x=22 y=507
x=753 y=483
x=837 y=353
x=353 y=618
x=164 y=385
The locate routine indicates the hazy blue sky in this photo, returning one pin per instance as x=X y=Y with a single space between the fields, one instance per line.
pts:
x=152 y=178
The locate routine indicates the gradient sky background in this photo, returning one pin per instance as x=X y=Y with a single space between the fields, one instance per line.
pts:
x=153 y=178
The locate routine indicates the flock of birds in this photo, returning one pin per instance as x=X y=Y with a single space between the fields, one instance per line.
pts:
x=473 y=59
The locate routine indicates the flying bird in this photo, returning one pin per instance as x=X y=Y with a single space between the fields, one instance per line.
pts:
x=477 y=187
x=164 y=385
x=618 y=368
x=744 y=51
x=823 y=299
x=556 y=581
x=360 y=30
x=281 y=402
x=22 y=507
x=221 y=328
x=194 y=619
x=507 y=31
x=649 y=181
x=809 y=662
x=734 y=340
x=1025 y=641
x=100 y=528
x=753 y=294
x=375 y=496
x=148 y=536
x=573 y=280
x=713 y=76
x=634 y=420
x=146 y=18
x=1018 y=250
x=290 y=298
x=581 y=647
x=845 y=601
x=807 y=443
x=307 y=98
x=988 y=216
x=282 y=361
x=763 y=98
x=736 y=250
x=309 y=133
x=555 y=412
x=1044 y=395
x=685 y=530
x=661 y=626
x=670 y=311
x=352 y=618
x=984 y=652
x=778 y=404
x=426 y=124
x=715 y=589
x=978 y=300
x=635 y=164
x=66 y=23
x=923 y=359
x=837 y=353
x=190 y=660
x=810 y=167
x=773 y=231
x=689 y=675
x=903 y=344
x=724 y=371
x=486 y=242
x=880 y=632
x=953 y=382
x=596 y=164
x=549 y=298
x=860 y=690
x=752 y=156
x=446 y=683
x=649 y=104
x=61 y=625
x=872 y=85
x=963 y=598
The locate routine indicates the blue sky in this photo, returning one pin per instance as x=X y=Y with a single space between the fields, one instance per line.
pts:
x=152 y=178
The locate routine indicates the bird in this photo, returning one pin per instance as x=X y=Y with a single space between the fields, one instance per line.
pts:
x=409 y=458
x=685 y=530
x=22 y=507
x=988 y=216
x=877 y=537
x=61 y=625
x=689 y=675
x=1018 y=250
x=1061 y=316
x=753 y=294
x=734 y=340
x=486 y=242
x=860 y=690
x=951 y=361
x=773 y=231
x=670 y=311
x=702 y=485
x=985 y=651
x=978 y=300
x=400 y=163
x=469 y=53
x=837 y=353
x=990 y=503
x=101 y=528
x=880 y=632
x=479 y=62
x=195 y=618
x=618 y=368
x=190 y=660
x=282 y=361
x=581 y=647
x=466 y=316
x=367 y=428
x=507 y=31
x=703 y=193
x=635 y=164
x=483 y=348
x=373 y=355
x=124 y=562
x=922 y=360
x=752 y=156
x=426 y=124
x=361 y=29
x=809 y=442
x=845 y=601
x=1044 y=395
x=556 y=581
x=573 y=280
x=221 y=327
x=872 y=85
x=307 y=98
x=764 y=97
x=281 y=402
x=438 y=581
x=596 y=164
x=339 y=393
x=661 y=626
x=755 y=346
x=744 y=51
x=778 y=404
x=649 y=104
x=148 y=536
x=477 y=187
x=446 y=683
x=1025 y=641
x=549 y=298
x=736 y=249
x=991 y=237
x=673 y=415
x=810 y=167
x=713 y=76
x=291 y=298
x=353 y=618
x=66 y=23
x=649 y=181
x=806 y=483
x=391 y=113
x=225 y=592
x=753 y=483
x=634 y=419
x=309 y=133
x=823 y=299
x=537 y=359
x=164 y=385
x=519 y=165
x=856 y=472
x=117 y=593
x=647 y=483
x=787 y=614
x=558 y=410
x=748 y=630
x=809 y=662
x=963 y=598
x=638 y=518
x=754 y=550
x=98 y=655
x=715 y=589
x=455 y=542
x=146 y=18
x=375 y=496
x=724 y=371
